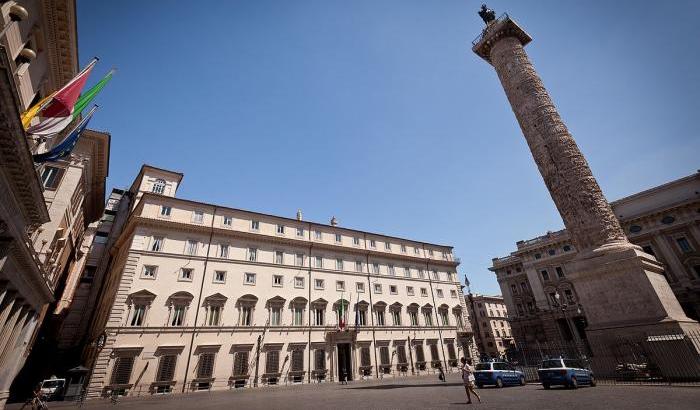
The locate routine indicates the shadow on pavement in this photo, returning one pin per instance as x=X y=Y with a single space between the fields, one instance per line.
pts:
x=401 y=386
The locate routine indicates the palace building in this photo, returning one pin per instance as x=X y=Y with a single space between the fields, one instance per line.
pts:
x=200 y=296
x=489 y=319
x=542 y=302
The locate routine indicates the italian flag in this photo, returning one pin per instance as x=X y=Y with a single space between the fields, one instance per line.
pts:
x=59 y=109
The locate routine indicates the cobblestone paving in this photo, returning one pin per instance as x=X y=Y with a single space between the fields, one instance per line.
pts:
x=412 y=393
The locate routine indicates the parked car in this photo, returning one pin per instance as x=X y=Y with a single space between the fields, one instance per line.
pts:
x=565 y=372
x=498 y=374
x=52 y=389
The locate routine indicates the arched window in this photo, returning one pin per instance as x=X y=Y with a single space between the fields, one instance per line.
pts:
x=246 y=306
x=274 y=306
x=214 y=306
x=139 y=304
x=297 y=305
x=178 y=304
x=158 y=186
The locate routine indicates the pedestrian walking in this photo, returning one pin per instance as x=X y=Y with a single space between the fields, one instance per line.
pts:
x=468 y=379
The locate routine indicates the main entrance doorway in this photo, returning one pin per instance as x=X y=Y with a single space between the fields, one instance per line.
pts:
x=344 y=362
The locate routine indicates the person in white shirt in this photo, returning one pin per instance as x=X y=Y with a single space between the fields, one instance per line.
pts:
x=468 y=379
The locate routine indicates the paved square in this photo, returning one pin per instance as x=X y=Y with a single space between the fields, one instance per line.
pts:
x=414 y=393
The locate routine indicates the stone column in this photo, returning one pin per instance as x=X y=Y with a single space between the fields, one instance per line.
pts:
x=620 y=287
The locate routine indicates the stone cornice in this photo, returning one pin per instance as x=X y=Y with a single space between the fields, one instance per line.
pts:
x=60 y=29
x=15 y=156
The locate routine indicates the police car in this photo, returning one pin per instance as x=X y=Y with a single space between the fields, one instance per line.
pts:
x=498 y=374
x=565 y=372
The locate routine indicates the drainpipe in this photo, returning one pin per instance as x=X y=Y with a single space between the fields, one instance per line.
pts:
x=199 y=300
x=369 y=286
x=437 y=317
x=311 y=244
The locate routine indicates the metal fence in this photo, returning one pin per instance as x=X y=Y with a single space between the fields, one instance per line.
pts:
x=665 y=358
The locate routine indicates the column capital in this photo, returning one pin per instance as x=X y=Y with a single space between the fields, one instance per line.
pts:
x=500 y=28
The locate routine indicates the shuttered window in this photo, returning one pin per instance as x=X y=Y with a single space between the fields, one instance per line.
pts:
x=272 y=364
x=365 y=357
x=434 y=352
x=166 y=368
x=205 y=369
x=420 y=356
x=451 y=351
x=384 y=354
x=401 y=353
x=240 y=364
x=298 y=360
x=121 y=373
x=320 y=359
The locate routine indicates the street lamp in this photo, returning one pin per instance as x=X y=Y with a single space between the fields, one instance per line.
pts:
x=563 y=307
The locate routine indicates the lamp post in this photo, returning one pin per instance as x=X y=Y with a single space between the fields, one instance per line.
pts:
x=563 y=307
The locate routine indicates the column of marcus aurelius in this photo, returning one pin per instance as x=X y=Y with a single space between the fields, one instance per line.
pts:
x=621 y=288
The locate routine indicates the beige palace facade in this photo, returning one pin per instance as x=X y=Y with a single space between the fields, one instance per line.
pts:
x=490 y=322
x=202 y=296
x=664 y=221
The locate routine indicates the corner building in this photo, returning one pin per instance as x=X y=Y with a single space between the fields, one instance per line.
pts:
x=201 y=296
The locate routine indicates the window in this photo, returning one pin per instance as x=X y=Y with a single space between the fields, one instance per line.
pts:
x=683 y=244
x=214 y=315
x=551 y=252
x=569 y=295
x=362 y=318
x=178 y=315
x=407 y=272
x=279 y=257
x=240 y=364
x=377 y=288
x=360 y=287
x=158 y=186
x=275 y=316
x=445 y=318
x=409 y=290
x=560 y=272
x=391 y=269
x=280 y=229
x=228 y=221
x=255 y=225
x=166 y=368
x=436 y=276
x=424 y=292
x=191 y=247
x=121 y=372
x=157 y=244
x=372 y=243
x=338 y=238
x=393 y=290
x=51 y=177
x=421 y=274
x=298 y=316
x=318 y=261
x=272 y=361
x=249 y=278
x=416 y=250
x=545 y=275
x=439 y=293
x=198 y=217
x=358 y=266
x=277 y=281
x=365 y=358
x=387 y=246
x=384 y=355
x=566 y=248
x=300 y=232
x=205 y=367
x=375 y=268
x=319 y=284
x=317 y=235
x=339 y=264
x=320 y=359
x=219 y=276
x=401 y=354
x=297 y=364
x=396 y=317
x=523 y=286
x=356 y=241
x=223 y=250
x=340 y=285
x=149 y=272
x=538 y=256
x=186 y=274
x=403 y=248
x=165 y=210
x=138 y=315
x=380 y=318
x=428 y=316
x=414 y=318
x=319 y=315
x=513 y=288
x=298 y=282
x=252 y=254
x=246 y=318
x=430 y=252
x=299 y=259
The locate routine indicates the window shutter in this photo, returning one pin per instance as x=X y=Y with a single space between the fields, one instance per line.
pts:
x=384 y=354
x=121 y=373
x=166 y=368
x=298 y=360
x=272 y=364
x=205 y=369
x=365 y=357
x=240 y=364
x=419 y=353
x=320 y=359
x=434 y=352
x=451 y=351
x=401 y=352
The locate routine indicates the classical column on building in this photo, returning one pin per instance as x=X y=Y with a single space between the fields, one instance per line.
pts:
x=621 y=287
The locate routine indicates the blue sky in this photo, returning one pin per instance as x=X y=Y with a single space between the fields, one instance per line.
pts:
x=378 y=112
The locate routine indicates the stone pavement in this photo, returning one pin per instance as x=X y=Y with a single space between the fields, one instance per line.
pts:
x=424 y=392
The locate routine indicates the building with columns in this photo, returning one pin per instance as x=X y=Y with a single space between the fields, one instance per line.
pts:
x=489 y=320
x=663 y=220
x=44 y=209
x=202 y=296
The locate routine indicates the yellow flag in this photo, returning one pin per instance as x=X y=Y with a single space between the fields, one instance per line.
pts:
x=28 y=115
